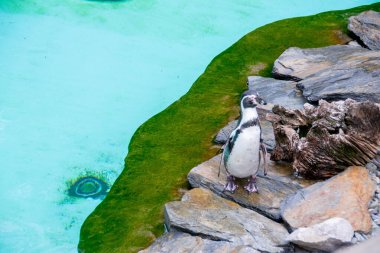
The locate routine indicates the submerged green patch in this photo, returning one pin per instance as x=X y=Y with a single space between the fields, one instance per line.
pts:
x=88 y=187
x=166 y=147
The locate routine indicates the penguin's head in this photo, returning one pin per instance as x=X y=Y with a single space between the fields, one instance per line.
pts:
x=250 y=99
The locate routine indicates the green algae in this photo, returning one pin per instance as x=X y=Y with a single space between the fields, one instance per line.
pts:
x=166 y=147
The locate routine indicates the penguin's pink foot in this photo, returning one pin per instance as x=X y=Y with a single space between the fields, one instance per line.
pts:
x=251 y=186
x=230 y=185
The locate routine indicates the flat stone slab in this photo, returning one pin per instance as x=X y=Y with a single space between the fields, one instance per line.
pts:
x=332 y=73
x=366 y=26
x=209 y=216
x=346 y=195
x=174 y=242
x=278 y=92
x=273 y=188
x=297 y=64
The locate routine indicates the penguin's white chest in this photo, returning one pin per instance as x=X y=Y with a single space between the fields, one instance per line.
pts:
x=244 y=158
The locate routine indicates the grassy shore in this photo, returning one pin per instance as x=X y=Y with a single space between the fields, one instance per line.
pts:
x=167 y=146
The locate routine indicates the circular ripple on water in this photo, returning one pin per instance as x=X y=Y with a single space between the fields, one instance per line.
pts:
x=89 y=187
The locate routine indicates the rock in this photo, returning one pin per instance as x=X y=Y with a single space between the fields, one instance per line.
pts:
x=346 y=195
x=332 y=73
x=272 y=189
x=267 y=134
x=297 y=63
x=277 y=91
x=367 y=27
x=175 y=242
x=353 y=44
x=370 y=246
x=326 y=236
x=209 y=216
x=225 y=132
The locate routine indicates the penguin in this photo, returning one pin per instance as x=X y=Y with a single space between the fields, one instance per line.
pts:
x=241 y=154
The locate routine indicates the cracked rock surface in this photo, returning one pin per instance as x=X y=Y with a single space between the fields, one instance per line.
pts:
x=332 y=73
x=346 y=195
x=175 y=242
x=273 y=188
x=366 y=26
x=209 y=216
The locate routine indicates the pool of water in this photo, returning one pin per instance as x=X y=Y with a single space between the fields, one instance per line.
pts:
x=78 y=77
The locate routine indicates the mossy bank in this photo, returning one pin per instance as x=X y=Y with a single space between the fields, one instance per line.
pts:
x=166 y=147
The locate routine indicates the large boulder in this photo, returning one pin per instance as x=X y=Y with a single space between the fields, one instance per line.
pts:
x=273 y=189
x=332 y=73
x=175 y=242
x=366 y=26
x=326 y=236
x=346 y=195
x=209 y=216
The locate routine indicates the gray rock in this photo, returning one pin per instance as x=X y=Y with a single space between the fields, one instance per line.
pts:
x=370 y=246
x=332 y=73
x=354 y=44
x=345 y=81
x=326 y=236
x=297 y=63
x=209 y=216
x=267 y=134
x=273 y=189
x=175 y=242
x=367 y=27
x=225 y=132
x=278 y=92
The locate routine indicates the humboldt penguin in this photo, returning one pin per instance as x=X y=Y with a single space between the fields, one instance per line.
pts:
x=241 y=154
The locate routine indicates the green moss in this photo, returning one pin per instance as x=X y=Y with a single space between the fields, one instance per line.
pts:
x=167 y=146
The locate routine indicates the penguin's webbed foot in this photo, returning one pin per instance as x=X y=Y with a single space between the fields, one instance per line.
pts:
x=251 y=186
x=230 y=185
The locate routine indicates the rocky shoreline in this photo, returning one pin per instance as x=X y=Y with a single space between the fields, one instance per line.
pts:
x=289 y=213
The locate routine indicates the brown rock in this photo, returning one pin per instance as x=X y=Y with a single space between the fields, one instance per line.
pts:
x=346 y=195
x=273 y=188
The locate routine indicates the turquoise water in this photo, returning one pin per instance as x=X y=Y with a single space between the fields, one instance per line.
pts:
x=76 y=80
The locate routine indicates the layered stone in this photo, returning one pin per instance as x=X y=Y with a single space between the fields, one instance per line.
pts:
x=366 y=26
x=209 y=216
x=346 y=195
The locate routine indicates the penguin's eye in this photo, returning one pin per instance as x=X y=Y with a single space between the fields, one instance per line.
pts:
x=261 y=101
